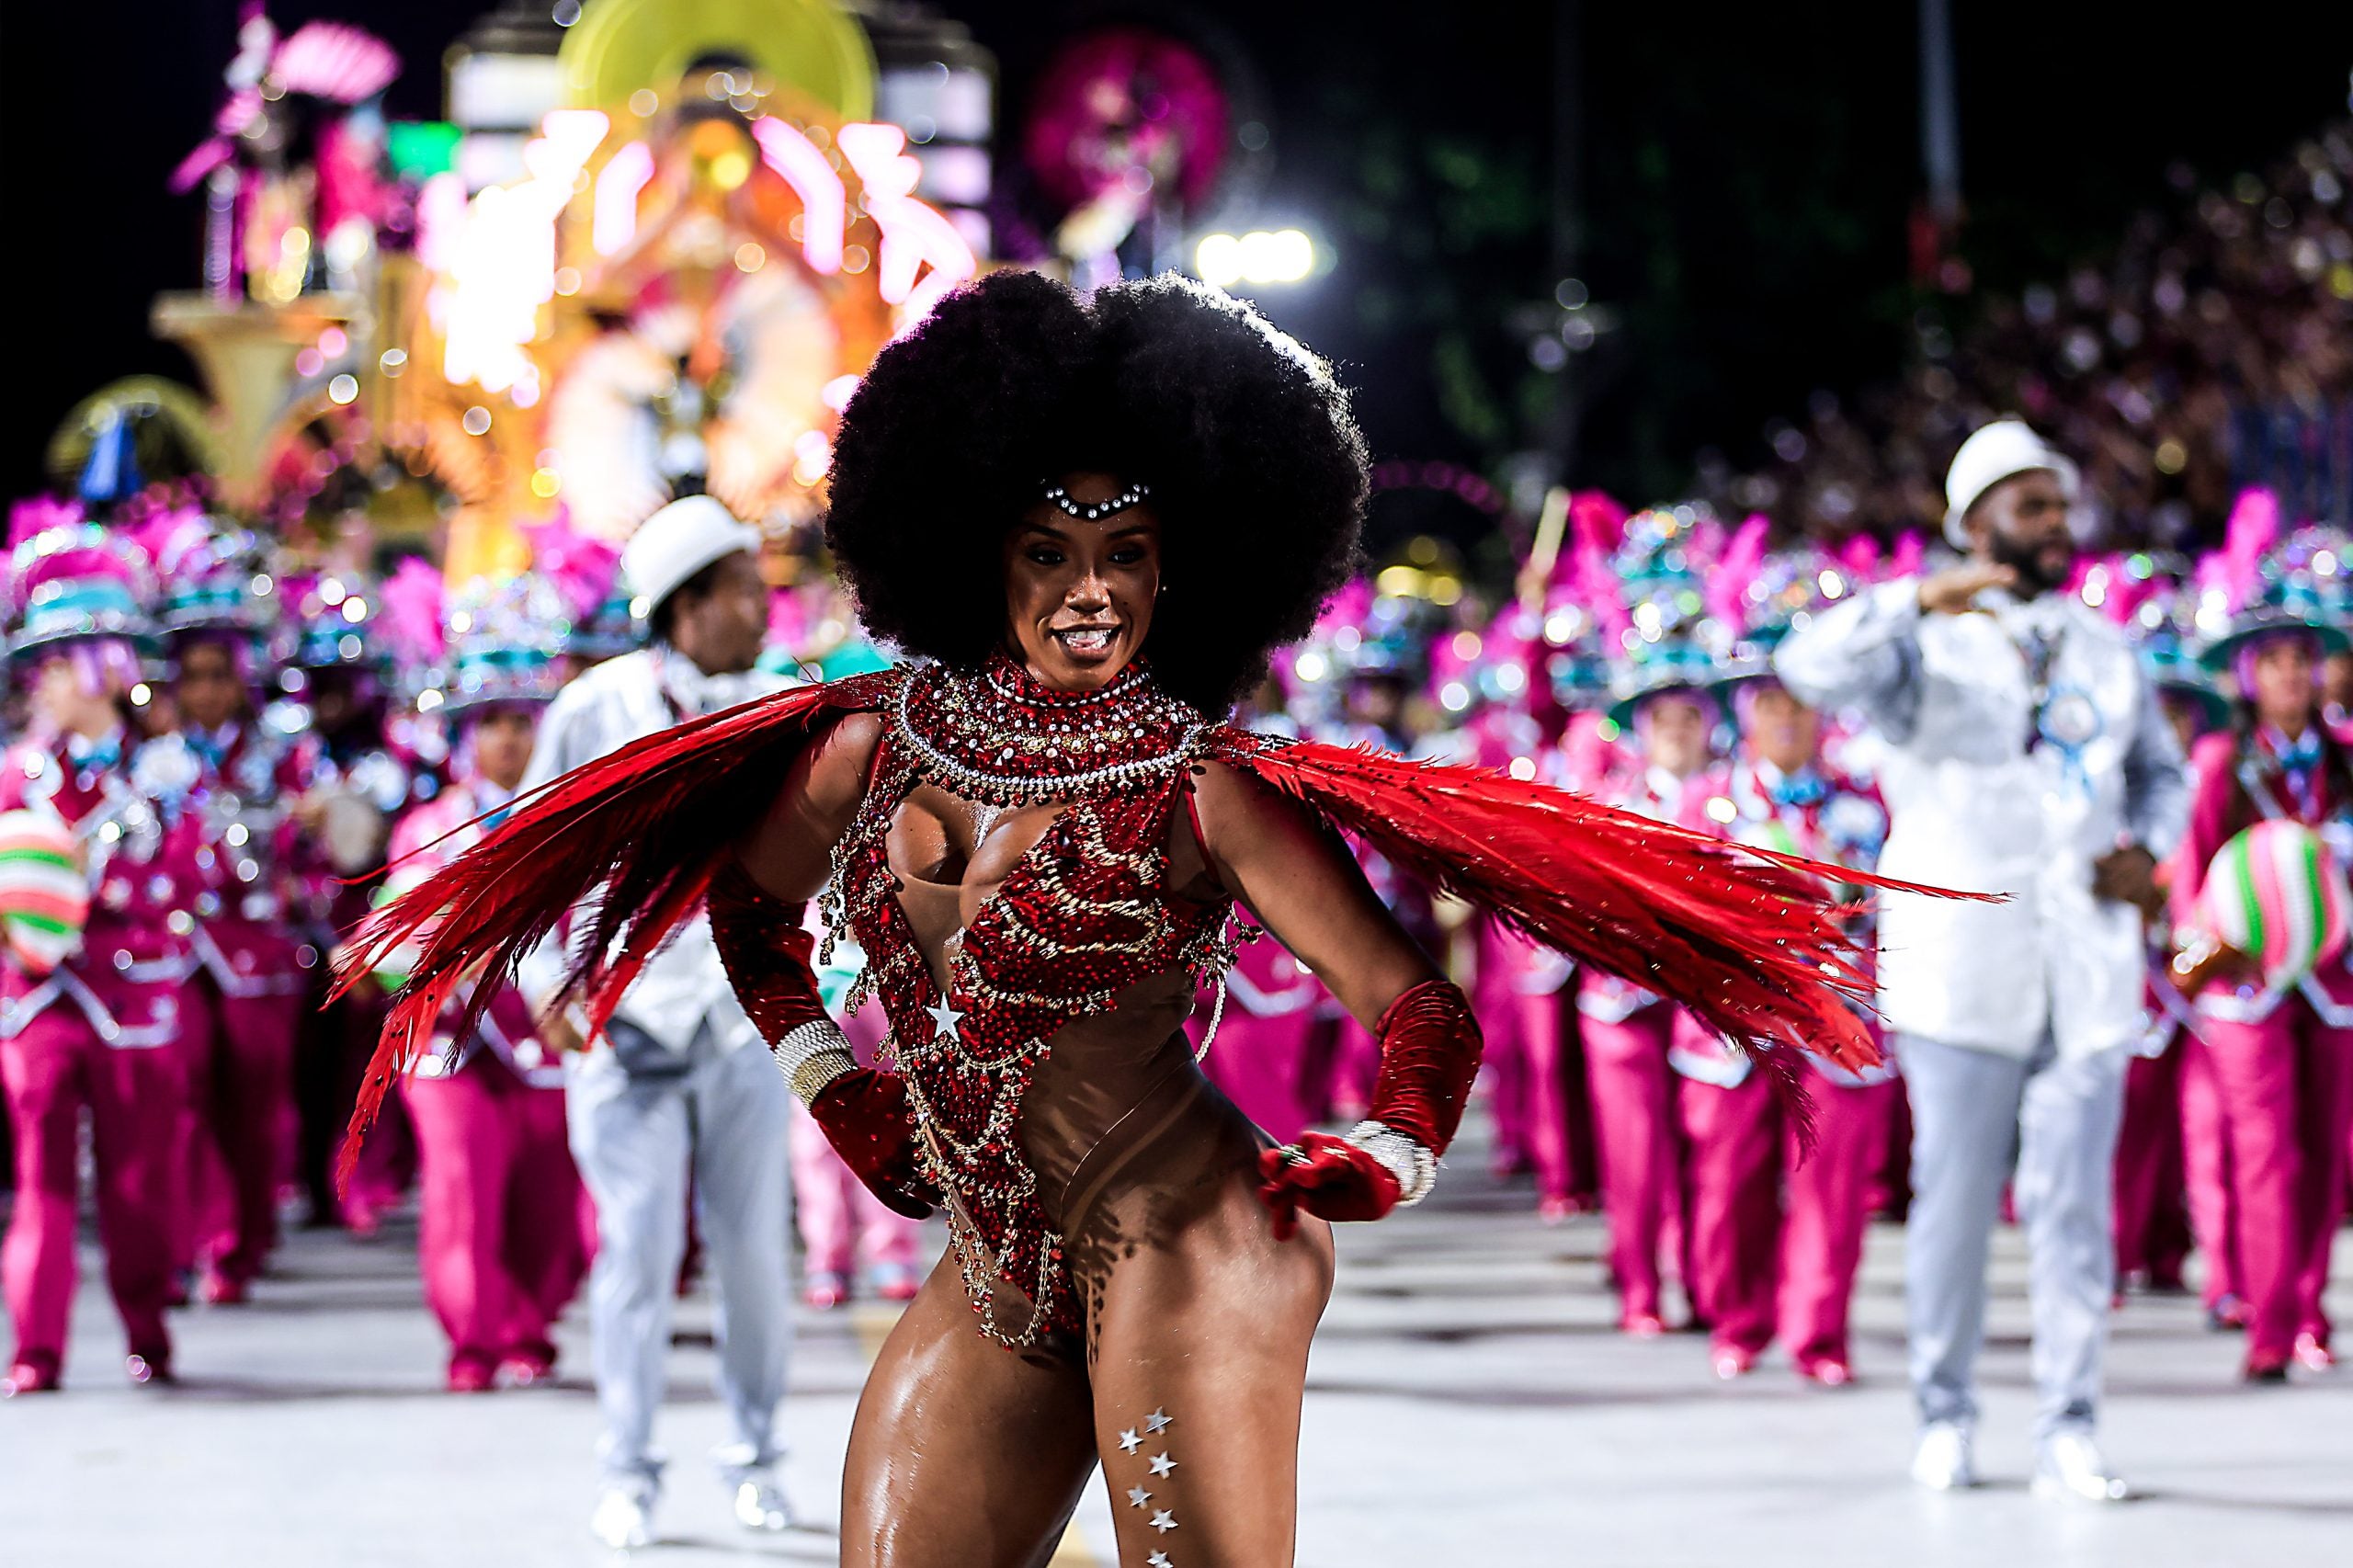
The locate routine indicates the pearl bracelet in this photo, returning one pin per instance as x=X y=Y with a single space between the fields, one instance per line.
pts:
x=813 y=1056
x=1415 y=1166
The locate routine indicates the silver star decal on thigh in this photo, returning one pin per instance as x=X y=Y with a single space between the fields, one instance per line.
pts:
x=1162 y=1464
x=1158 y=1560
x=1129 y=1441
x=1138 y=1496
x=1158 y=1421
x=946 y=1017
x=1163 y=1521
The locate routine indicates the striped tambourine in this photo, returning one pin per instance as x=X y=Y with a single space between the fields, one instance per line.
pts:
x=44 y=898
x=2276 y=894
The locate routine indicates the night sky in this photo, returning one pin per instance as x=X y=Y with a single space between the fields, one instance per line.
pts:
x=1745 y=178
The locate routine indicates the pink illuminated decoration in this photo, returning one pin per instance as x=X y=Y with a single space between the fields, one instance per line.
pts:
x=618 y=185
x=837 y=391
x=795 y=158
x=440 y=218
x=913 y=233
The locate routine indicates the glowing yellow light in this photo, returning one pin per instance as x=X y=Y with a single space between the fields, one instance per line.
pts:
x=545 y=483
x=1721 y=810
x=342 y=388
x=730 y=168
x=1523 y=767
x=476 y=420
x=2172 y=457
x=750 y=257
x=567 y=280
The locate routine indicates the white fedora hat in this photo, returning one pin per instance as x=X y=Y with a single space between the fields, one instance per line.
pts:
x=678 y=541
x=2001 y=451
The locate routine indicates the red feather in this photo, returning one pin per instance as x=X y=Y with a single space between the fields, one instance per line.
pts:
x=647 y=824
x=1746 y=939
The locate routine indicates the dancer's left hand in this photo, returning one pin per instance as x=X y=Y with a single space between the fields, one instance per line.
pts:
x=1327 y=1176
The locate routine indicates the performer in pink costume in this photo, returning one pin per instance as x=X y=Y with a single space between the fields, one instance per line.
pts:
x=2281 y=1053
x=103 y=1030
x=252 y=966
x=2154 y=1168
x=361 y=784
x=1627 y=1029
x=498 y=1235
x=1489 y=679
x=1776 y=1231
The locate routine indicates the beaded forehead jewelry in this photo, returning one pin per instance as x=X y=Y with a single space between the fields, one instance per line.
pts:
x=1095 y=512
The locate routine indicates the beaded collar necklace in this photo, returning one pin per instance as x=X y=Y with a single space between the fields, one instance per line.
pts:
x=1001 y=737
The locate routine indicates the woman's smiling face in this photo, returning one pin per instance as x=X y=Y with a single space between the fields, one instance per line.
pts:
x=1079 y=595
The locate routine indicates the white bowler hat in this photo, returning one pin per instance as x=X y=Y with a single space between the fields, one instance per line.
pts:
x=2001 y=451
x=678 y=541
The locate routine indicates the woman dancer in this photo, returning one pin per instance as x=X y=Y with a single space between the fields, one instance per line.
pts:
x=1038 y=835
x=2280 y=1059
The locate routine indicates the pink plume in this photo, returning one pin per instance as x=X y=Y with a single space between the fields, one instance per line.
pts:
x=2253 y=530
x=1346 y=607
x=1595 y=516
x=1859 y=558
x=583 y=569
x=1910 y=555
x=1727 y=585
x=411 y=619
x=37 y=514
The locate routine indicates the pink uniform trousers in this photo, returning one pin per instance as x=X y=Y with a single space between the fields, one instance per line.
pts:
x=841 y=1222
x=2285 y=1086
x=1766 y=1263
x=245 y=1103
x=2206 y=1174
x=1534 y=1086
x=498 y=1224
x=1633 y=1123
x=2152 y=1224
x=137 y=1097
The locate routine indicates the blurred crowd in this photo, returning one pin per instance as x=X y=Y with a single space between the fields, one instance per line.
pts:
x=2211 y=352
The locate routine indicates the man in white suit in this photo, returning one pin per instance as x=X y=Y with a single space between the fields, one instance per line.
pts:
x=2025 y=755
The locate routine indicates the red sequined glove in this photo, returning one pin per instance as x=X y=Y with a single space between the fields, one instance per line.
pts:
x=1327 y=1176
x=766 y=952
x=864 y=1113
x=1429 y=1054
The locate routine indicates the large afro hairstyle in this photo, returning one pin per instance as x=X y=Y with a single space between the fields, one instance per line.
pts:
x=1256 y=468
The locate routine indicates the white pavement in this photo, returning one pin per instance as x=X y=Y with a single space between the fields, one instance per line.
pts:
x=1468 y=1407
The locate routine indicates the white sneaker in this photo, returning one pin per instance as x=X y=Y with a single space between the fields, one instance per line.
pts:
x=623 y=1518
x=1943 y=1461
x=2071 y=1467
x=760 y=1504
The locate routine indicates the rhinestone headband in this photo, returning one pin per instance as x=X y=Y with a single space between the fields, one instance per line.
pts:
x=1095 y=512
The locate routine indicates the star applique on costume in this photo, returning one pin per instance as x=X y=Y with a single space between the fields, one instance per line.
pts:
x=1129 y=1441
x=946 y=1017
x=1163 y=1520
x=1158 y=1560
x=1158 y=1421
x=1162 y=1464
x=1138 y=1496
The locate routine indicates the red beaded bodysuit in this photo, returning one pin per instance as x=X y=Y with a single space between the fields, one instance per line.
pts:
x=1082 y=965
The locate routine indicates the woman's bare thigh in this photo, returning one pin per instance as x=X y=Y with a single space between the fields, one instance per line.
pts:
x=1199 y=1364
x=963 y=1454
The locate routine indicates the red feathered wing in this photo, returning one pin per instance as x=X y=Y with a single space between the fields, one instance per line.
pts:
x=1748 y=939
x=646 y=825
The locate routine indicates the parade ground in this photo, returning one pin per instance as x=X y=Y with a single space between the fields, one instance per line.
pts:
x=1467 y=1404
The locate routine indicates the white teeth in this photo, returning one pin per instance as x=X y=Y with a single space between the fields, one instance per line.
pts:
x=1086 y=642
